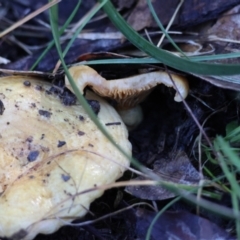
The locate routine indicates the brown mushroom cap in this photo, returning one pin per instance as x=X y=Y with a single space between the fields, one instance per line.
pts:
x=49 y=153
x=127 y=92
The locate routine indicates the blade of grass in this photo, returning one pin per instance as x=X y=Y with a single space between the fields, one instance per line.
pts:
x=120 y=61
x=208 y=205
x=232 y=156
x=163 y=56
x=234 y=135
x=215 y=57
x=55 y=32
x=165 y=33
x=155 y=61
x=93 y=11
x=219 y=144
x=222 y=145
x=158 y=215
x=235 y=203
x=216 y=180
x=61 y=31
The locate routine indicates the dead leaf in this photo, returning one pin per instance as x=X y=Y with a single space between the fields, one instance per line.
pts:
x=194 y=12
x=176 y=170
x=177 y=225
x=226 y=82
x=141 y=17
x=227 y=26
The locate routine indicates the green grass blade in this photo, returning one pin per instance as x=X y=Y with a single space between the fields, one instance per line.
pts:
x=215 y=57
x=231 y=155
x=222 y=146
x=148 y=60
x=234 y=135
x=216 y=179
x=235 y=203
x=208 y=205
x=121 y=61
x=81 y=99
x=152 y=10
x=61 y=31
x=149 y=231
x=90 y=15
x=163 y=56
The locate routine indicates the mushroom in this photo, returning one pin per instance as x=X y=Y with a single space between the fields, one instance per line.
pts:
x=50 y=154
x=127 y=92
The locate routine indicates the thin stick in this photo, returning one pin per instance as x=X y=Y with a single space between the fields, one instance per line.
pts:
x=170 y=23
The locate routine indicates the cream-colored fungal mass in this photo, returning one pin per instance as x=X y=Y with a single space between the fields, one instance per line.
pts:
x=127 y=92
x=50 y=153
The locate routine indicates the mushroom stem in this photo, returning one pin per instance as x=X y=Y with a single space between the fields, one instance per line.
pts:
x=127 y=92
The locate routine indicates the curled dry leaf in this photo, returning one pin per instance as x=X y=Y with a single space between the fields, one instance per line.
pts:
x=127 y=92
x=50 y=153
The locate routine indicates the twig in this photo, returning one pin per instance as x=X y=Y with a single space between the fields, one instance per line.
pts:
x=170 y=23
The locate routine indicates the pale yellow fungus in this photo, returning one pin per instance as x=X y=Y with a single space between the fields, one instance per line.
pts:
x=49 y=154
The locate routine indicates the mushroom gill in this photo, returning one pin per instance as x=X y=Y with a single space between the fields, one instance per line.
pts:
x=127 y=92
